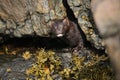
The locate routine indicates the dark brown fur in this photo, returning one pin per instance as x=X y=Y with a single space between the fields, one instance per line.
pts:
x=70 y=33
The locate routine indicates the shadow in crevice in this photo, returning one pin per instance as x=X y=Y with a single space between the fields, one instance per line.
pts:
x=36 y=42
x=72 y=17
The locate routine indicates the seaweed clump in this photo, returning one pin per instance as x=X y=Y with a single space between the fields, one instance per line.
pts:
x=46 y=64
x=49 y=66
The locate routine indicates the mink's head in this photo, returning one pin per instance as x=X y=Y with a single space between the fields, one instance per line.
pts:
x=59 y=27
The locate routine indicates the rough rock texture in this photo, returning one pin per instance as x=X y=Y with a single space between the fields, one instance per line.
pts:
x=107 y=17
x=82 y=11
x=29 y=17
x=20 y=18
x=15 y=69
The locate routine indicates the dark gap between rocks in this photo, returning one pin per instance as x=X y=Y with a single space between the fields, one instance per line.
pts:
x=72 y=17
x=35 y=42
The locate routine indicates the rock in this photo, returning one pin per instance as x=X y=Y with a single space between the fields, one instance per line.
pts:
x=30 y=20
x=33 y=18
x=29 y=17
x=82 y=11
x=107 y=17
x=110 y=19
x=15 y=69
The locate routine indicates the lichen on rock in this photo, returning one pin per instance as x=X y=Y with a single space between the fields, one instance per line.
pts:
x=29 y=17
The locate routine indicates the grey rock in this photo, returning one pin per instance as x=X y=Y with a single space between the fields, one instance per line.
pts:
x=29 y=17
x=81 y=10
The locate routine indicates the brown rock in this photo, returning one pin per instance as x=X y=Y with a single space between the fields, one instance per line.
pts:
x=107 y=17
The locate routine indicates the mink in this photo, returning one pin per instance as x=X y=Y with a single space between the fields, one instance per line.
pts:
x=68 y=31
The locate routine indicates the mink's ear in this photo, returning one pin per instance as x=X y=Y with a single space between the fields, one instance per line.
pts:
x=66 y=21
